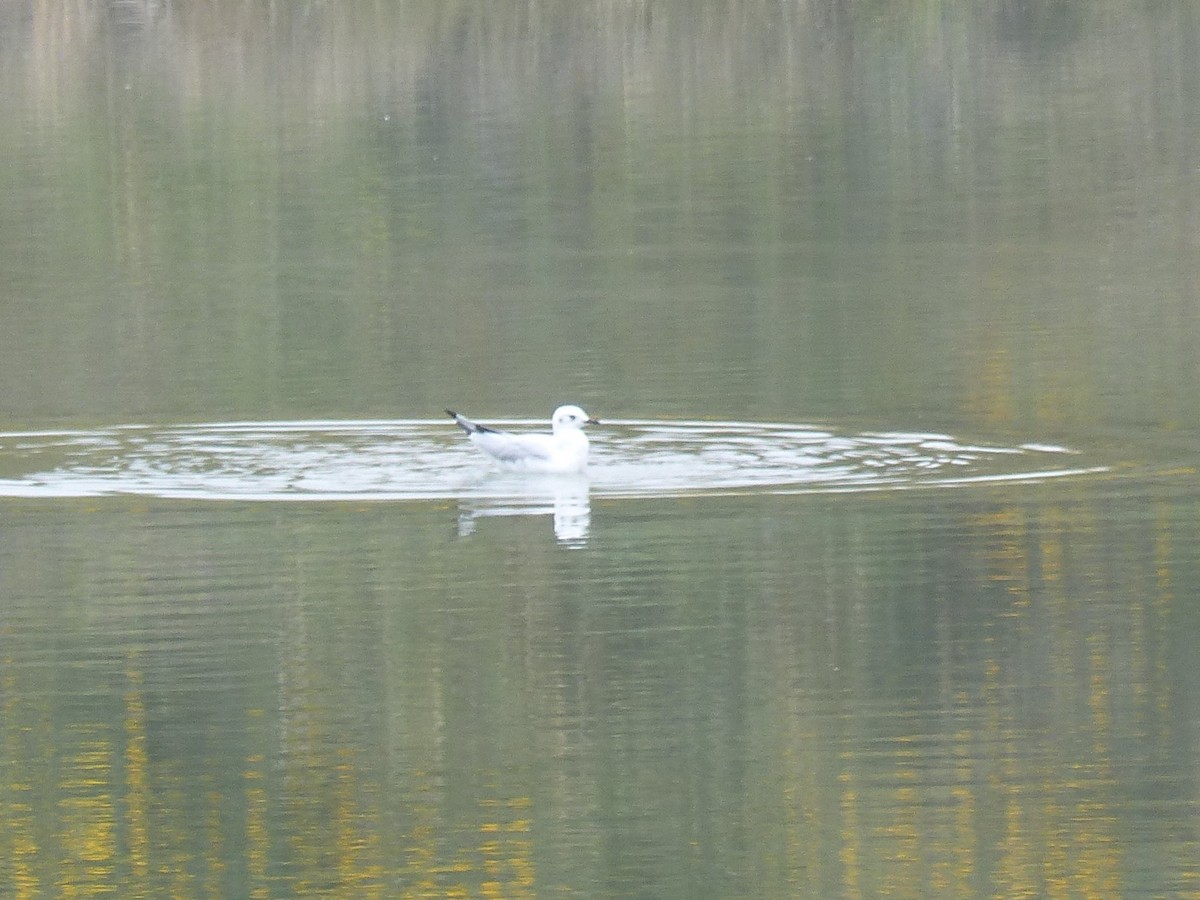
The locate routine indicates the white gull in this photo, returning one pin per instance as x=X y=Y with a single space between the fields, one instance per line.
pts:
x=563 y=452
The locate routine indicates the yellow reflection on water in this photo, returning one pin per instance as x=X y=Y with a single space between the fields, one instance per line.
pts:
x=507 y=849
x=258 y=838
x=850 y=854
x=137 y=778
x=17 y=838
x=1023 y=796
x=86 y=816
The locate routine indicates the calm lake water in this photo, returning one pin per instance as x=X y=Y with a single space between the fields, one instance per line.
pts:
x=884 y=580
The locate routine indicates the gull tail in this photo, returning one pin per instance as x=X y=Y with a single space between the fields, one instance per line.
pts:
x=467 y=425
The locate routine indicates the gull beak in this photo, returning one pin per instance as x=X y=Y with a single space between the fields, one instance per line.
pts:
x=592 y=421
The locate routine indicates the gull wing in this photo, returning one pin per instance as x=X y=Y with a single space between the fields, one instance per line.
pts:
x=514 y=448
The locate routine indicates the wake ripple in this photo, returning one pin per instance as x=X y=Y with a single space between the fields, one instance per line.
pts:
x=428 y=459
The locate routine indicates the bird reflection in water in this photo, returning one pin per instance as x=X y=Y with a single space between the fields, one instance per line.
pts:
x=564 y=497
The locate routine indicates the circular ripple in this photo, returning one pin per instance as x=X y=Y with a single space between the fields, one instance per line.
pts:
x=422 y=459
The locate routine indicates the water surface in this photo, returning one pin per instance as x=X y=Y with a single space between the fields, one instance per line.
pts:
x=422 y=460
x=882 y=582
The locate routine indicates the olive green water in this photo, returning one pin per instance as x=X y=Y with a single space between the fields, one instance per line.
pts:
x=266 y=660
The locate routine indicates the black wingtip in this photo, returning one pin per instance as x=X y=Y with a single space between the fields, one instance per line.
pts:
x=465 y=424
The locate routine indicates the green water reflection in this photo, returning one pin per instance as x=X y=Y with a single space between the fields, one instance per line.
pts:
x=978 y=219
x=985 y=212
x=723 y=697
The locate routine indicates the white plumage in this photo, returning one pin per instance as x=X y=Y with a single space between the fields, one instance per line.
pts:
x=563 y=451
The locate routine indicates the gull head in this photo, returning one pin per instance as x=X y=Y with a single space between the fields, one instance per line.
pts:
x=568 y=418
